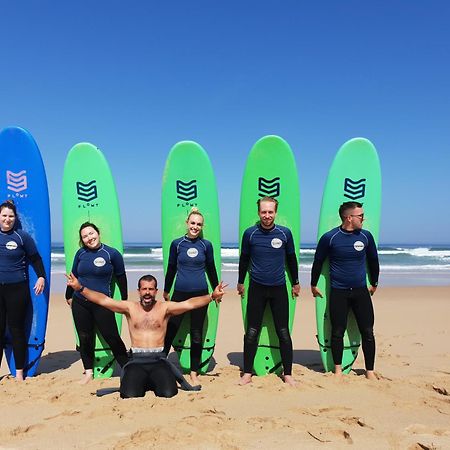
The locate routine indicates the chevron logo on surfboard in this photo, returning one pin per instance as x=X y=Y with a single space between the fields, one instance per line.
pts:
x=16 y=182
x=87 y=191
x=354 y=189
x=186 y=191
x=269 y=188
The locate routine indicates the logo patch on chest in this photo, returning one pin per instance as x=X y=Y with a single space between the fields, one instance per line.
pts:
x=276 y=243
x=358 y=246
x=99 y=262
x=192 y=252
x=11 y=245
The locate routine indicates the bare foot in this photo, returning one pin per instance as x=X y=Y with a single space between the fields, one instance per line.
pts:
x=370 y=375
x=19 y=375
x=338 y=371
x=88 y=375
x=195 y=381
x=289 y=379
x=245 y=379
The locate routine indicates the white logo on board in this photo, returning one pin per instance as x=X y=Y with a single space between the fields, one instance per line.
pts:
x=11 y=245
x=99 y=262
x=358 y=246
x=192 y=252
x=276 y=243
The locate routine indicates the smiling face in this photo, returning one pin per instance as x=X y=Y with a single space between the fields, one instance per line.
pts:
x=7 y=219
x=267 y=212
x=194 y=225
x=90 y=238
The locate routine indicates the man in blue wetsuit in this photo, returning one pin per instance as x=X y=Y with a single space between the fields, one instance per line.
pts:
x=265 y=251
x=349 y=249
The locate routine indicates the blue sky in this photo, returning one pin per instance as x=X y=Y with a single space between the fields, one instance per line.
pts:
x=136 y=77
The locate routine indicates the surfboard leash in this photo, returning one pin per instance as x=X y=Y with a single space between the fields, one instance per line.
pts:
x=35 y=360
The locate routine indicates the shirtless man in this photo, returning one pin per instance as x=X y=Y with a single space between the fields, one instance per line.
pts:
x=148 y=368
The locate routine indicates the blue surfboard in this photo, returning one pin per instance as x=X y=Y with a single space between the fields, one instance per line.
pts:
x=23 y=180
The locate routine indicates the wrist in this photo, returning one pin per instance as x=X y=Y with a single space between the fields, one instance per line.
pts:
x=81 y=289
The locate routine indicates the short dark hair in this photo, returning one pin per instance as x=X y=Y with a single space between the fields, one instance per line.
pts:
x=346 y=207
x=9 y=204
x=267 y=199
x=85 y=225
x=147 y=278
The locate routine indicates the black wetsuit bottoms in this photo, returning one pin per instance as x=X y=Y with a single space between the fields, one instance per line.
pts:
x=87 y=316
x=359 y=300
x=151 y=370
x=277 y=297
x=14 y=301
x=156 y=376
x=197 y=320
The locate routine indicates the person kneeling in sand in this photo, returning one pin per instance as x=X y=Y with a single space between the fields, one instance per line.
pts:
x=148 y=367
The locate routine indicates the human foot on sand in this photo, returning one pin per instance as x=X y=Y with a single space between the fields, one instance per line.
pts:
x=245 y=379
x=19 y=375
x=371 y=375
x=289 y=379
x=195 y=381
x=338 y=371
x=88 y=375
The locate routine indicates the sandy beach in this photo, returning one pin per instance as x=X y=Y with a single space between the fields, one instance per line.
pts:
x=408 y=408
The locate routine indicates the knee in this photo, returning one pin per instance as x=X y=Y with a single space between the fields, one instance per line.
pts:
x=337 y=332
x=284 y=336
x=251 y=337
x=86 y=339
x=367 y=334
x=167 y=392
x=131 y=393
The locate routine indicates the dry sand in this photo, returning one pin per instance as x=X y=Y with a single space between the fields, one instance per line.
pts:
x=408 y=408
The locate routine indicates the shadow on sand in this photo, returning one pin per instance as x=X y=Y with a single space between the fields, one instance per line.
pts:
x=307 y=358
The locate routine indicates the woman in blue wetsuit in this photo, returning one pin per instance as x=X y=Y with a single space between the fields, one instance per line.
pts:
x=17 y=250
x=191 y=258
x=95 y=264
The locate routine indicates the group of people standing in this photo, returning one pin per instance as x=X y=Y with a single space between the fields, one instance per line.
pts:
x=267 y=252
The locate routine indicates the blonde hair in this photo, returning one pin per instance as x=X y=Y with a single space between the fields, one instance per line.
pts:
x=195 y=210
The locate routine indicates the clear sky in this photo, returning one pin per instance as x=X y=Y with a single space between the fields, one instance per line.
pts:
x=136 y=77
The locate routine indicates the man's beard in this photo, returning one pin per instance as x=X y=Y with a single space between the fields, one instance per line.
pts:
x=147 y=300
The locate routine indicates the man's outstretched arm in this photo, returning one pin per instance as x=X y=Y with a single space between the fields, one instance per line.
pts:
x=176 y=308
x=96 y=297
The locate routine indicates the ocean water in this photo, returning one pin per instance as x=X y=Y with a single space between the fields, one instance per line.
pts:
x=401 y=265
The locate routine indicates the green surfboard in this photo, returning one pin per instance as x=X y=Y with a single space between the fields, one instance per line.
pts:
x=189 y=181
x=89 y=194
x=270 y=171
x=355 y=175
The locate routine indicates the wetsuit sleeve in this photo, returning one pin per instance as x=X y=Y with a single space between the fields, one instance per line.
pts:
x=292 y=265
x=117 y=263
x=123 y=285
x=76 y=260
x=69 y=292
x=373 y=264
x=319 y=258
x=74 y=270
x=171 y=268
x=120 y=274
x=244 y=259
x=38 y=265
x=291 y=258
x=211 y=266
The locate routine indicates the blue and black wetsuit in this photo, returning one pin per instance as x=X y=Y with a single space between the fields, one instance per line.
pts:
x=190 y=260
x=95 y=269
x=264 y=254
x=17 y=251
x=349 y=253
